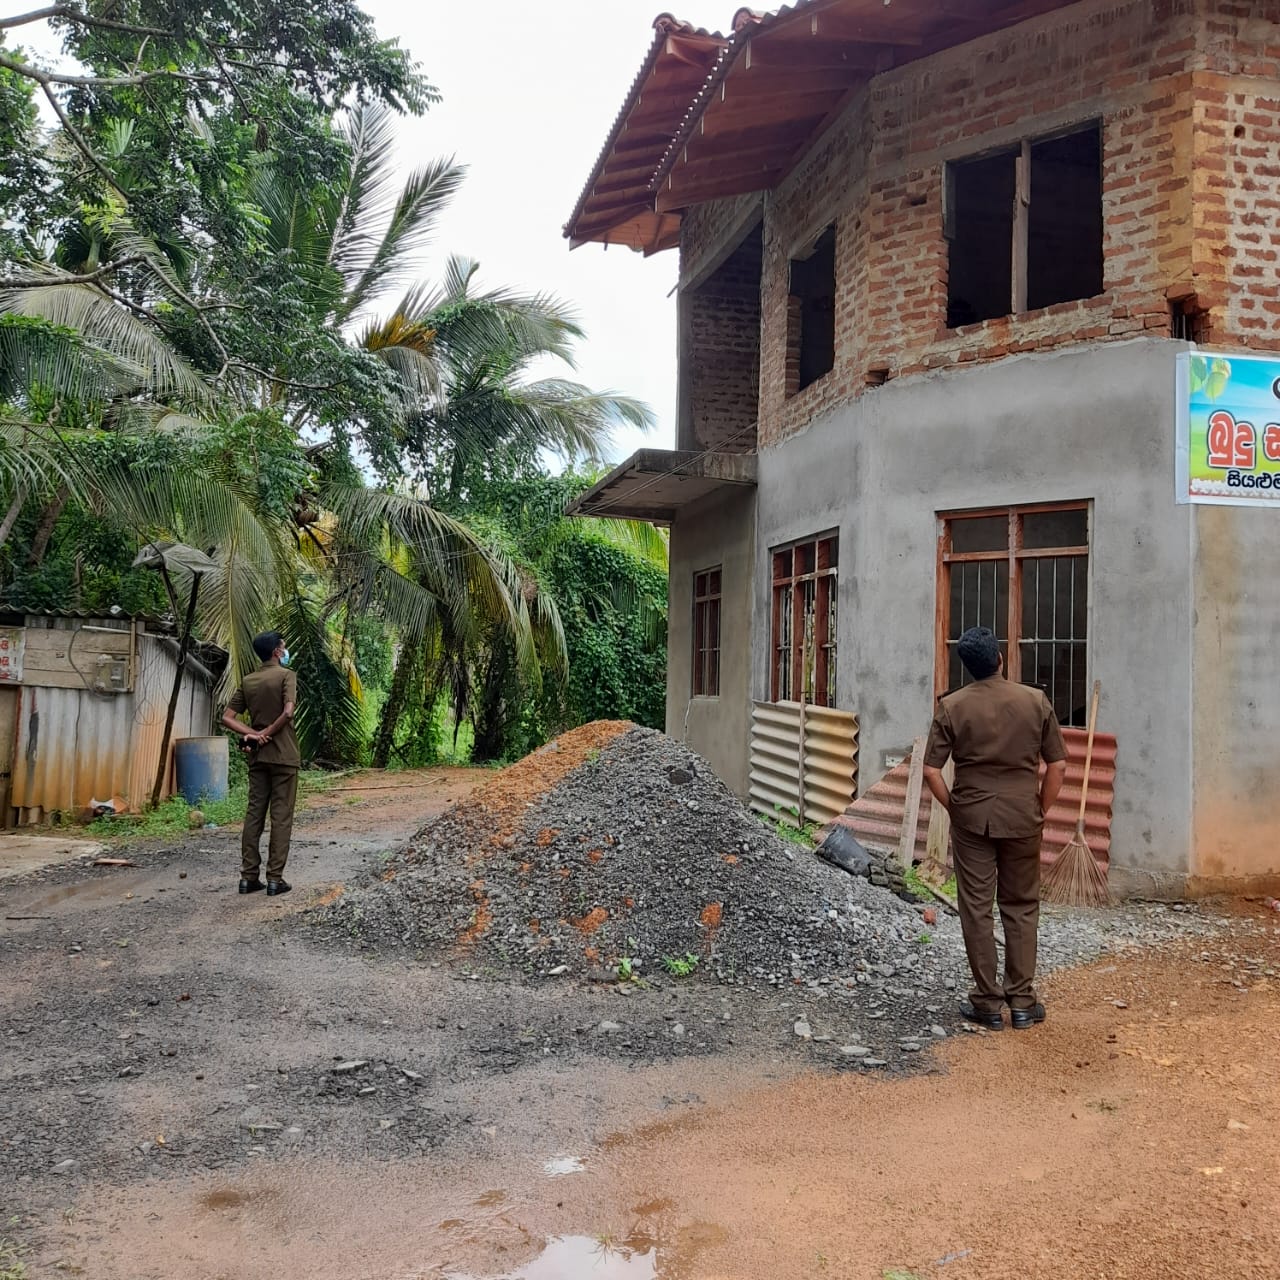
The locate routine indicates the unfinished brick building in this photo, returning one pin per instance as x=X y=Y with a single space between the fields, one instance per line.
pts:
x=944 y=267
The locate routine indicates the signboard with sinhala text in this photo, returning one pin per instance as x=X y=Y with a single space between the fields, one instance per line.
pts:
x=1228 y=450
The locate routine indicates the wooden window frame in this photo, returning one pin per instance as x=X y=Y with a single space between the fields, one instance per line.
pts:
x=788 y=596
x=708 y=589
x=1016 y=555
x=1020 y=248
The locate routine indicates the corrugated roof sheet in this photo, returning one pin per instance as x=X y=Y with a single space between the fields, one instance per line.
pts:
x=615 y=206
x=748 y=141
x=876 y=816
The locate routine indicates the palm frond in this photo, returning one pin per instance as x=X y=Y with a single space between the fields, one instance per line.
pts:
x=329 y=719
x=371 y=270
x=115 y=332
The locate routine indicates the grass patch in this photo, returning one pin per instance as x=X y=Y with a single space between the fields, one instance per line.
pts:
x=804 y=836
x=171 y=818
x=12 y=1266
x=924 y=890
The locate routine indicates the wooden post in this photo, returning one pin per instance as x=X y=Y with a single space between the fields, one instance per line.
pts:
x=911 y=814
x=183 y=640
x=936 y=861
x=1021 y=227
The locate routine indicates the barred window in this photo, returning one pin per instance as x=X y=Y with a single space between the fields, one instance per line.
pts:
x=804 y=621
x=1023 y=572
x=706 y=633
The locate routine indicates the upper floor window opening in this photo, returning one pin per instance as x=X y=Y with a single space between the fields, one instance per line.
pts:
x=811 y=319
x=1024 y=227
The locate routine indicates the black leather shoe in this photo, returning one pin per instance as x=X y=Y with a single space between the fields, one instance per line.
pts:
x=992 y=1021
x=251 y=886
x=1022 y=1019
x=276 y=887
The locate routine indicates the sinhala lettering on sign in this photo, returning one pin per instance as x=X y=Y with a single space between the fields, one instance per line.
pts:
x=1228 y=450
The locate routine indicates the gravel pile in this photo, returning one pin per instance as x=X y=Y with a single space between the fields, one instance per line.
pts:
x=636 y=857
x=616 y=852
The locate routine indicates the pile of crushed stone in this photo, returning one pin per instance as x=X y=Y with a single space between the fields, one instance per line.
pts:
x=616 y=849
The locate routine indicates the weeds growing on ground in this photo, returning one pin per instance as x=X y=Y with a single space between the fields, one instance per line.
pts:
x=12 y=1266
x=172 y=817
x=922 y=889
x=680 y=967
x=802 y=835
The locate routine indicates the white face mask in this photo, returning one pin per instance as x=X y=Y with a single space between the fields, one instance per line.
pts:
x=284 y=658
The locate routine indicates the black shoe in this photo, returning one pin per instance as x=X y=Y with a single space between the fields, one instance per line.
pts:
x=1022 y=1019
x=276 y=887
x=251 y=886
x=992 y=1021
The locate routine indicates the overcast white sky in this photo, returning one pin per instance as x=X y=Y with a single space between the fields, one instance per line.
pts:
x=530 y=90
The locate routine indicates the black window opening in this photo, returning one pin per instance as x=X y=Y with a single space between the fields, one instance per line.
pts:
x=813 y=289
x=1024 y=228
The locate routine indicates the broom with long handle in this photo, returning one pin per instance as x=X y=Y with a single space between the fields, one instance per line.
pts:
x=1075 y=879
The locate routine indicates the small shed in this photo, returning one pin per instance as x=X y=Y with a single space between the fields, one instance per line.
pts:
x=82 y=710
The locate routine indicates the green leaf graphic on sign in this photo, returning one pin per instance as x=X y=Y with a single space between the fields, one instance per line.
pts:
x=1199 y=372
x=1219 y=376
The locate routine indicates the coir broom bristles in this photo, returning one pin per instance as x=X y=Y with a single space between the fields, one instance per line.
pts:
x=1075 y=879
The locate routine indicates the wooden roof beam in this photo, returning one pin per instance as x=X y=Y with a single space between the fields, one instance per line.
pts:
x=812 y=55
x=731 y=185
x=832 y=25
x=782 y=81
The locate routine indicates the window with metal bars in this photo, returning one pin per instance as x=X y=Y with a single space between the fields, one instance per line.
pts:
x=803 y=655
x=1023 y=572
x=706 y=633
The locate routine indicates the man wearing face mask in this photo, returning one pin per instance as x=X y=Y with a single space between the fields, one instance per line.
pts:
x=269 y=695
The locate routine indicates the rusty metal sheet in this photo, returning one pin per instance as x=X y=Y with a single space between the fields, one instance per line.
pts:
x=193 y=718
x=875 y=818
x=73 y=747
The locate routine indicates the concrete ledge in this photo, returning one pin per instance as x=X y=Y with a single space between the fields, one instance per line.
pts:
x=654 y=484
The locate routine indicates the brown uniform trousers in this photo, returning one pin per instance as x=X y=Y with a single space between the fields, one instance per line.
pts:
x=272 y=787
x=997 y=732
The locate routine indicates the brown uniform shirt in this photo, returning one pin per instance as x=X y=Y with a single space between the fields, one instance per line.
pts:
x=263 y=694
x=997 y=732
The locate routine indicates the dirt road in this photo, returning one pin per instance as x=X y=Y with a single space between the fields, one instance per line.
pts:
x=236 y=1102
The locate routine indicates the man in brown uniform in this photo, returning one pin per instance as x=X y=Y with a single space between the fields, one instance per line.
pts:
x=270 y=695
x=997 y=732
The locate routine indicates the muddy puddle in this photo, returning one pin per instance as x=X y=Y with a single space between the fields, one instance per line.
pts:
x=641 y=1256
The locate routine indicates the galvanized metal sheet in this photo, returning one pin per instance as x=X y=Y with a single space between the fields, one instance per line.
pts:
x=791 y=745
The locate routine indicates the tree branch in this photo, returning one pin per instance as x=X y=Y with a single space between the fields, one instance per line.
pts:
x=89 y=277
x=80 y=17
x=47 y=78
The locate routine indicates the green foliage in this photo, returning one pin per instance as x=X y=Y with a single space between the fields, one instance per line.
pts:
x=681 y=966
x=804 y=836
x=923 y=890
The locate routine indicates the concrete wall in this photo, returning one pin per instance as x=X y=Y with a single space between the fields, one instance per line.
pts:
x=1094 y=422
x=1236 y=707
x=717 y=531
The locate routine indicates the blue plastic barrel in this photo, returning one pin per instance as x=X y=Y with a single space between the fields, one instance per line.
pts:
x=201 y=767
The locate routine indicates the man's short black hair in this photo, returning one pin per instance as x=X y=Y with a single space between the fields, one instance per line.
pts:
x=266 y=644
x=979 y=650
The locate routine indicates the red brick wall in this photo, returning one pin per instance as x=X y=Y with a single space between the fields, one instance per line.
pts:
x=1189 y=95
x=724 y=353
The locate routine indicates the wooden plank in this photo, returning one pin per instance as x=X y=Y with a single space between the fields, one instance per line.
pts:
x=1021 y=228
x=911 y=814
x=938 y=845
x=815 y=55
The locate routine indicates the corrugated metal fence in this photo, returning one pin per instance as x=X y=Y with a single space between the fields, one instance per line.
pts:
x=804 y=761
x=876 y=817
x=79 y=745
